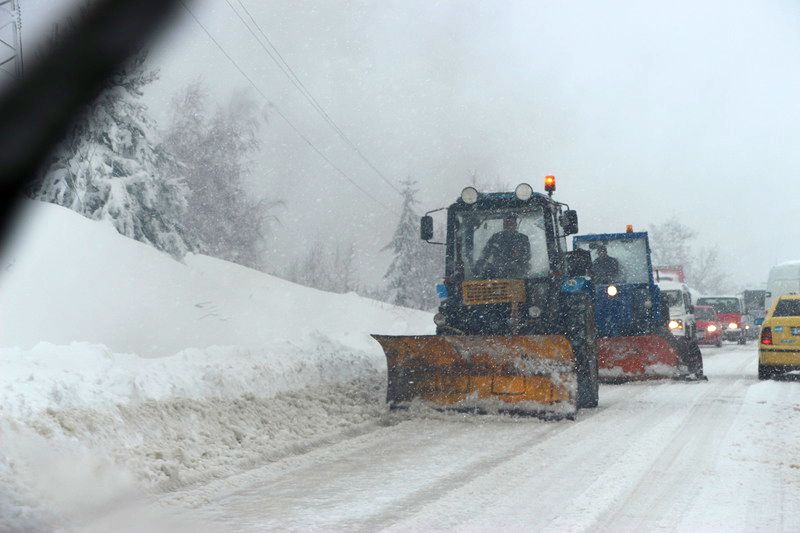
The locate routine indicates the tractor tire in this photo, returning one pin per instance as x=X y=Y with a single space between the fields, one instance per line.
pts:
x=589 y=386
x=581 y=331
x=694 y=359
x=690 y=359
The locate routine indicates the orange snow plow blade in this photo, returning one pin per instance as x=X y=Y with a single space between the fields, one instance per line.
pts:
x=525 y=374
x=636 y=357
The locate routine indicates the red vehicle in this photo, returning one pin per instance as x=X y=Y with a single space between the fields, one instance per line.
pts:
x=730 y=312
x=709 y=327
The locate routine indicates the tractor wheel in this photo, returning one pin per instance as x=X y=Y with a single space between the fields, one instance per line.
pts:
x=690 y=359
x=694 y=361
x=581 y=332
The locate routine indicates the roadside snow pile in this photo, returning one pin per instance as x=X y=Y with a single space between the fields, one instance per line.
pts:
x=68 y=279
x=162 y=372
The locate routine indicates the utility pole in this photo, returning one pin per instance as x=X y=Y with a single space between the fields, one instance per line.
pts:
x=10 y=41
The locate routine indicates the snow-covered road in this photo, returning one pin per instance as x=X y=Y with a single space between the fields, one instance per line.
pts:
x=720 y=455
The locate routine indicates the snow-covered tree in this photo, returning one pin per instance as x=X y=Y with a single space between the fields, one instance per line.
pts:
x=326 y=267
x=672 y=245
x=111 y=167
x=415 y=269
x=706 y=273
x=214 y=151
x=485 y=184
x=670 y=242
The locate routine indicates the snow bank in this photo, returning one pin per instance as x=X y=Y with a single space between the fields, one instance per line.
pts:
x=120 y=366
x=69 y=279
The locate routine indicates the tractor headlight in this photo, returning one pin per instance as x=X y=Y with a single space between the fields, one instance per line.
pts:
x=733 y=325
x=675 y=324
x=439 y=319
x=612 y=290
x=469 y=195
x=712 y=328
x=524 y=191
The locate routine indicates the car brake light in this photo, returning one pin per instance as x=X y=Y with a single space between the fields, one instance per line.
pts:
x=766 y=335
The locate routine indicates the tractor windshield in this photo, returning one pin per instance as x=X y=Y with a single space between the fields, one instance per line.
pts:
x=503 y=243
x=618 y=260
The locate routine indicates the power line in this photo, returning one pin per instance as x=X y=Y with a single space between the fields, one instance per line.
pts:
x=281 y=114
x=287 y=70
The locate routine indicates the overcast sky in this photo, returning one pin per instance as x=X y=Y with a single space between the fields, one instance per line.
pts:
x=642 y=110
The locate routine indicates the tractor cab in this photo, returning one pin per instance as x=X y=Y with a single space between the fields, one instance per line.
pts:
x=627 y=300
x=505 y=261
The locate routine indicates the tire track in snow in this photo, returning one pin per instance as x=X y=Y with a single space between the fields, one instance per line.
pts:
x=541 y=479
x=410 y=439
x=662 y=493
x=472 y=470
x=577 y=474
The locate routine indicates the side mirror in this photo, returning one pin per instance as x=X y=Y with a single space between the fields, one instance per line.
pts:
x=569 y=221
x=758 y=321
x=426 y=228
x=578 y=262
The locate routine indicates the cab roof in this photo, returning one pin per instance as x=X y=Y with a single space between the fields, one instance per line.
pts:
x=494 y=200
x=610 y=236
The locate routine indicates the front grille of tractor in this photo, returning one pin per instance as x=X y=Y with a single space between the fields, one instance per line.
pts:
x=493 y=291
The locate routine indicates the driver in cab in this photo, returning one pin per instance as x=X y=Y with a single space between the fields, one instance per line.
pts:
x=605 y=269
x=507 y=254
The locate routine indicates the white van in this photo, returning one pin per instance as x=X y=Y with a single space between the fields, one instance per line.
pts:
x=681 y=309
x=783 y=279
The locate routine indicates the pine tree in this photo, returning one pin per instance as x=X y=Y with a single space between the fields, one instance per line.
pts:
x=111 y=167
x=412 y=275
x=214 y=155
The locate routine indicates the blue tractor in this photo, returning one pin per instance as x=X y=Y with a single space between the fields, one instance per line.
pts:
x=631 y=315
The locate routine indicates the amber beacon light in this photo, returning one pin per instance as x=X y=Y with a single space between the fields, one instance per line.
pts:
x=550 y=184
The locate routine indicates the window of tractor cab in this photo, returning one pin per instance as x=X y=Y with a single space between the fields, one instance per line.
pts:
x=787 y=307
x=503 y=243
x=722 y=305
x=631 y=254
x=704 y=314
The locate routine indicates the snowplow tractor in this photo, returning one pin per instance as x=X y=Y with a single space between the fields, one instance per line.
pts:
x=515 y=327
x=632 y=317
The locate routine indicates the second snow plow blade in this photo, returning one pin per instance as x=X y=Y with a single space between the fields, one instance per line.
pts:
x=525 y=374
x=637 y=357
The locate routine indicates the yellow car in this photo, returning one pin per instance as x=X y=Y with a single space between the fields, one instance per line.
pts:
x=779 y=349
